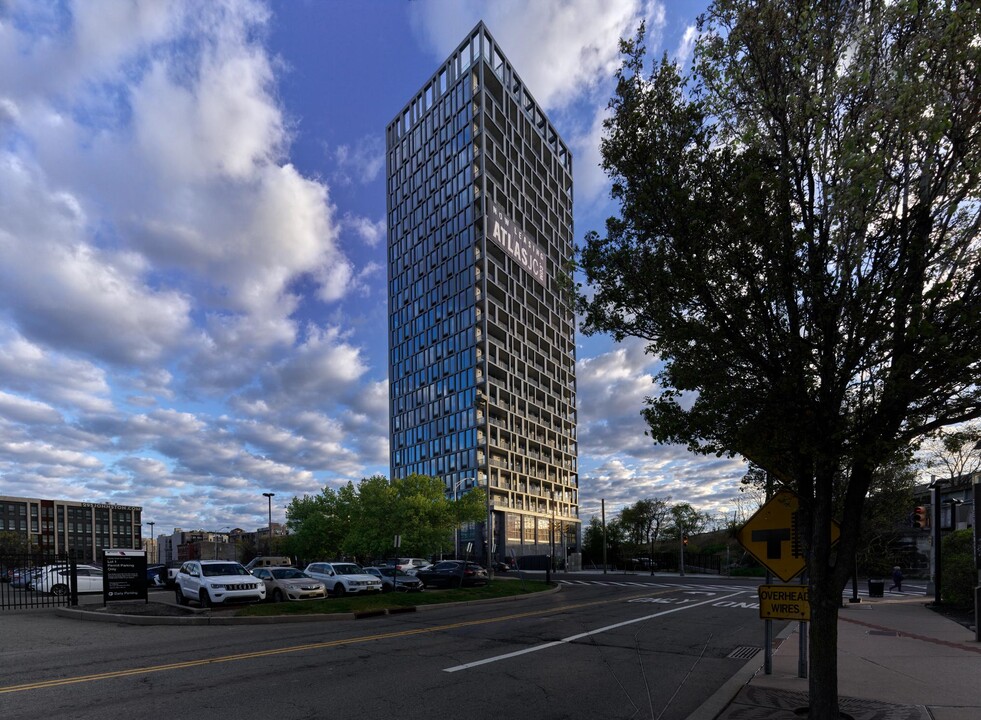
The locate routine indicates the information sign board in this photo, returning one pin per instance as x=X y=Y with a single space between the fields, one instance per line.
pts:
x=784 y=602
x=124 y=575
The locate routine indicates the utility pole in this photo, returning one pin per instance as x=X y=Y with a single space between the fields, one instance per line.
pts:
x=603 y=514
x=153 y=541
x=269 y=496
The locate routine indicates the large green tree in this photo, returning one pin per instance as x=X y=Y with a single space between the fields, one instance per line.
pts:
x=644 y=520
x=362 y=520
x=797 y=240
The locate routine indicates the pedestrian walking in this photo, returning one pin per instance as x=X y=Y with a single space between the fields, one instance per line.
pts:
x=897 y=579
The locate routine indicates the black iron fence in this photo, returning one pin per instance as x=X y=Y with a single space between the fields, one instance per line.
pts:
x=694 y=563
x=37 y=580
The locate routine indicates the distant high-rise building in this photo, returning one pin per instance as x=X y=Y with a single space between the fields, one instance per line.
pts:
x=481 y=330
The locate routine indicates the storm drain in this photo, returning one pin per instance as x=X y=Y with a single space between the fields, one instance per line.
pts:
x=744 y=652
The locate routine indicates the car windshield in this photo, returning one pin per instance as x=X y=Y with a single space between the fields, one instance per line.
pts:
x=223 y=569
x=344 y=569
x=389 y=572
x=288 y=574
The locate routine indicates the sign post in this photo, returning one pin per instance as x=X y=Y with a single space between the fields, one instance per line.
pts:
x=772 y=536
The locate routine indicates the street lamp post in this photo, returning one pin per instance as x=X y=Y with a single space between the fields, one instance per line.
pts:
x=153 y=541
x=218 y=535
x=269 y=496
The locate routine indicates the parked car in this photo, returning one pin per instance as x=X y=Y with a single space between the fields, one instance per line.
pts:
x=394 y=579
x=343 y=578
x=56 y=579
x=213 y=582
x=268 y=561
x=156 y=575
x=22 y=577
x=288 y=583
x=411 y=565
x=453 y=573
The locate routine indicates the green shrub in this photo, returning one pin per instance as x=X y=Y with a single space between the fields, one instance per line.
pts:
x=959 y=574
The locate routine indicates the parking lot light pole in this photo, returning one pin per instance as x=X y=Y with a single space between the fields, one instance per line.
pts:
x=269 y=496
x=153 y=540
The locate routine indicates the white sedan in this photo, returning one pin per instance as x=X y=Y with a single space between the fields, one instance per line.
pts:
x=287 y=583
x=55 y=579
x=343 y=578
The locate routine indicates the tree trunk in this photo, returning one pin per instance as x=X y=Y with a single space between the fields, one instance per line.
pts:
x=823 y=649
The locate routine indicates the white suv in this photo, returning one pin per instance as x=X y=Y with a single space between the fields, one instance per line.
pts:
x=343 y=578
x=411 y=565
x=212 y=582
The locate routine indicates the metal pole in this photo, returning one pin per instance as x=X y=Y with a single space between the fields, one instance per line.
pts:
x=977 y=563
x=768 y=624
x=935 y=499
x=269 y=496
x=603 y=513
x=153 y=540
x=681 y=552
x=802 y=635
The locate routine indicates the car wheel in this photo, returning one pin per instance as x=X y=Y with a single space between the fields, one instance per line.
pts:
x=204 y=599
x=339 y=590
x=277 y=595
x=60 y=589
x=181 y=600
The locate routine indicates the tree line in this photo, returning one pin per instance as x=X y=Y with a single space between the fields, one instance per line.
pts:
x=361 y=521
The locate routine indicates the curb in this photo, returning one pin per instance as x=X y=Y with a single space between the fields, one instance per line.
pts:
x=199 y=618
x=720 y=699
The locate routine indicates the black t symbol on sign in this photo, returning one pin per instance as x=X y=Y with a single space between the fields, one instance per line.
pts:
x=772 y=538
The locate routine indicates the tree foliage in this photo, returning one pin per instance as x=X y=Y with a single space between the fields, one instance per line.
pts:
x=363 y=520
x=798 y=242
x=955 y=451
x=645 y=519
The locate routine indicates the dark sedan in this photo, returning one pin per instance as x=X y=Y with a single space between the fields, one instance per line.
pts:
x=395 y=579
x=453 y=573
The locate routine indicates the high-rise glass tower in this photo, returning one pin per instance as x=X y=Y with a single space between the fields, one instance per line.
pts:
x=481 y=330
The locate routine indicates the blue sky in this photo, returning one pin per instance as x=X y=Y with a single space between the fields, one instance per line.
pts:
x=192 y=245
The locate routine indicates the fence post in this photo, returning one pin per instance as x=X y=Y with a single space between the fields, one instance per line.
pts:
x=73 y=578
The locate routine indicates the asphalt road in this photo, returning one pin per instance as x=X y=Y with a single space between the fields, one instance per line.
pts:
x=644 y=648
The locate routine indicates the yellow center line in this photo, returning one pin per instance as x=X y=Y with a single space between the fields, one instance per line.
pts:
x=42 y=684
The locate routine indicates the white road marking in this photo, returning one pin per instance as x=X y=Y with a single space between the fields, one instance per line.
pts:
x=573 y=638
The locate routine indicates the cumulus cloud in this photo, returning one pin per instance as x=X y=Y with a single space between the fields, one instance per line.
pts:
x=153 y=231
x=360 y=163
x=562 y=48
x=620 y=463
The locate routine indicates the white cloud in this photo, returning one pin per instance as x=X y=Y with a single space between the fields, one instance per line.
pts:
x=371 y=231
x=24 y=410
x=561 y=48
x=683 y=54
x=361 y=162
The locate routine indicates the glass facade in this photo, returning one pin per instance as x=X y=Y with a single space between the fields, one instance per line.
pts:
x=481 y=336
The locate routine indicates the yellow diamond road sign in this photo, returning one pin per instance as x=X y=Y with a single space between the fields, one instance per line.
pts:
x=772 y=536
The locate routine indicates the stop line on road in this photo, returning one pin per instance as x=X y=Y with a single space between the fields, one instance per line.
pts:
x=660 y=585
x=847 y=592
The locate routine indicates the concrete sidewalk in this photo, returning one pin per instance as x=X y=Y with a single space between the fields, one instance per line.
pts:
x=896 y=659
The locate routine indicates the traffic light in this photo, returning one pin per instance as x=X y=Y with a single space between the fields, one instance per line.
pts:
x=684 y=539
x=919 y=517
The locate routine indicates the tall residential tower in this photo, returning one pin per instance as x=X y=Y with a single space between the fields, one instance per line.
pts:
x=481 y=331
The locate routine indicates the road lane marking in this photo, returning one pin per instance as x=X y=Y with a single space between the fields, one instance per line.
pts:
x=129 y=672
x=580 y=636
